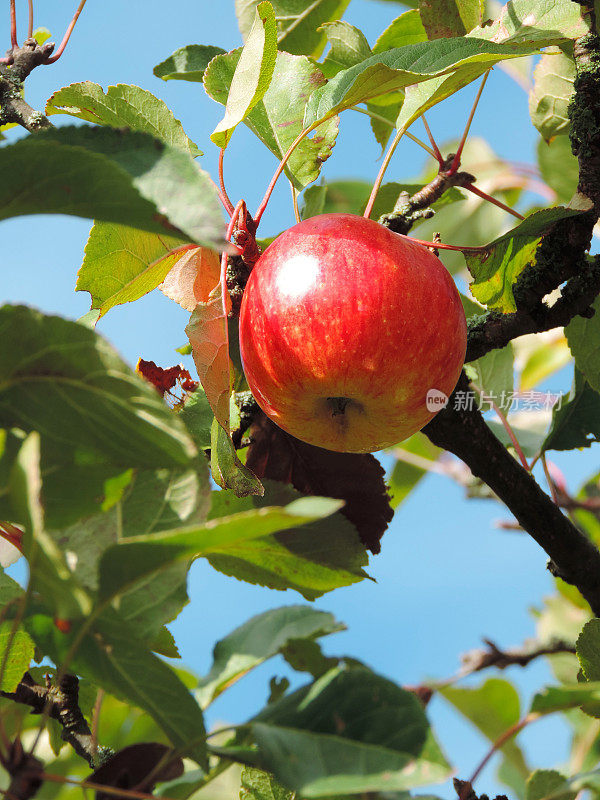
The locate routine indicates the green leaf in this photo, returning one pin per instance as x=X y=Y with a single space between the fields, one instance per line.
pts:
x=576 y=423
x=64 y=379
x=496 y=270
x=122 y=264
x=252 y=76
x=559 y=167
x=552 y=89
x=187 y=63
x=413 y=457
x=311 y=559
x=583 y=335
x=493 y=707
x=111 y=175
x=529 y=427
x=110 y=654
x=401 y=67
x=197 y=416
x=16 y=654
x=349 y=46
x=122 y=106
x=298 y=22
x=227 y=470
x=349 y=732
x=49 y=574
x=561 y=698
x=588 y=650
x=493 y=374
x=536 y=22
x=277 y=118
x=405 y=29
x=259 y=639
x=544 y=784
x=313 y=201
x=137 y=558
x=446 y=18
x=259 y=785
x=153 y=502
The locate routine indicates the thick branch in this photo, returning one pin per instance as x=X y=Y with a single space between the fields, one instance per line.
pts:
x=13 y=108
x=62 y=704
x=465 y=433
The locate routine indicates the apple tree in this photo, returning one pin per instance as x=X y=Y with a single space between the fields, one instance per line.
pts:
x=114 y=480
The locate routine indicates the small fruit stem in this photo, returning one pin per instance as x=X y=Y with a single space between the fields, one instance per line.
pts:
x=67 y=35
x=490 y=199
x=441 y=246
x=30 y=23
x=408 y=135
x=13 y=24
x=302 y=135
x=295 y=202
x=456 y=160
x=224 y=196
x=382 y=171
x=436 y=150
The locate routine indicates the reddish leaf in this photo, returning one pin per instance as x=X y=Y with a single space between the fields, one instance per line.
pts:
x=356 y=478
x=165 y=380
x=128 y=769
x=192 y=278
x=207 y=332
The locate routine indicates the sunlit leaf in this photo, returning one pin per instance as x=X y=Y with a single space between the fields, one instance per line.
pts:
x=349 y=46
x=192 y=278
x=536 y=21
x=552 y=90
x=187 y=63
x=252 y=74
x=445 y=18
x=405 y=29
x=122 y=106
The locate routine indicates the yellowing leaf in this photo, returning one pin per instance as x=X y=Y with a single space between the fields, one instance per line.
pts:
x=207 y=332
x=191 y=280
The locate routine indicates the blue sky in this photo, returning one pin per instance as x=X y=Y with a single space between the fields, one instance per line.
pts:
x=446 y=576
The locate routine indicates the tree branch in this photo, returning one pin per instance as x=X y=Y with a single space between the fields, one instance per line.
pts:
x=465 y=433
x=61 y=703
x=13 y=108
x=493 y=656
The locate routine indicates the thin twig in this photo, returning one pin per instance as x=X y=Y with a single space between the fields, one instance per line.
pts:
x=456 y=160
x=224 y=196
x=506 y=425
x=490 y=199
x=382 y=171
x=549 y=480
x=442 y=246
x=30 y=22
x=264 y=202
x=436 y=150
x=13 y=25
x=380 y=118
x=295 y=203
x=67 y=35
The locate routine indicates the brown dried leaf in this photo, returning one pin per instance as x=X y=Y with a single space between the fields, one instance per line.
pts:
x=129 y=768
x=356 y=478
x=192 y=278
x=207 y=332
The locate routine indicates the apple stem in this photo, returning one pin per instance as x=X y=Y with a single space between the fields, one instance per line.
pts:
x=223 y=194
x=30 y=23
x=67 y=35
x=456 y=160
x=13 y=24
x=382 y=171
x=408 y=135
x=441 y=246
x=295 y=202
x=507 y=427
x=303 y=134
x=436 y=150
x=490 y=199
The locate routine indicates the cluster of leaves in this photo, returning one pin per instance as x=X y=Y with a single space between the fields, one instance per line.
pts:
x=111 y=488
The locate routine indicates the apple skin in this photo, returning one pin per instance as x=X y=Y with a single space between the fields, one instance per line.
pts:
x=344 y=328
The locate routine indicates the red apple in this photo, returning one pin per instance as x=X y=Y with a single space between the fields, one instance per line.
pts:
x=345 y=327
